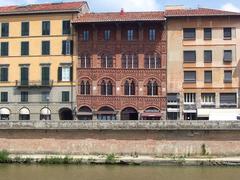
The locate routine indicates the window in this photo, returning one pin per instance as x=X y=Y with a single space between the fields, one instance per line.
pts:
x=4 y=48
x=152 y=88
x=3 y=74
x=5 y=29
x=65 y=73
x=152 y=61
x=45 y=96
x=227 y=76
x=228 y=100
x=189 y=33
x=189 y=76
x=24 y=76
x=227 y=57
x=129 y=61
x=106 y=88
x=67 y=47
x=4 y=97
x=189 y=98
x=207 y=56
x=106 y=61
x=129 y=87
x=208 y=76
x=24 y=48
x=107 y=35
x=85 y=35
x=152 y=35
x=130 y=35
x=24 y=96
x=46 y=28
x=207 y=33
x=85 y=88
x=45 y=75
x=189 y=56
x=66 y=27
x=25 y=29
x=227 y=33
x=45 y=47
x=208 y=99
x=65 y=96
x=85 y=61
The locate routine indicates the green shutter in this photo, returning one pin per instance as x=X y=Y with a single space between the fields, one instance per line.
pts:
x=71 y=73
x=45 y=75
x=60 y=74
x=71 y=47
x=24 y=76
x=64 y=44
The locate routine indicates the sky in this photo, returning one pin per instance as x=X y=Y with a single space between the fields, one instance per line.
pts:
x=140 y=5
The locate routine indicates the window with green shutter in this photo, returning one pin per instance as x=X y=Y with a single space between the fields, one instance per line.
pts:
x=4 y=96
x=65 y=96
x=24 y=48
x=5 y=29
x=45 y=47
x=66 y=27
x=45 y=75
x=25 y=29
x=46 y=28
x=67 y=47
x=24 y=96
x=3 y=74
x=4 y=48
x=24 y=75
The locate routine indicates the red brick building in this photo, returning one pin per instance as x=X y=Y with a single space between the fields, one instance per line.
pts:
x=121 y=72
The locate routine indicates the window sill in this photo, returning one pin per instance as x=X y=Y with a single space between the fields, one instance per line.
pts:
x=227 y=38
x=227 y=82
x=208 y=82
x=189 y=62
x=189 y=39
x=189 y=82
x=207 y=39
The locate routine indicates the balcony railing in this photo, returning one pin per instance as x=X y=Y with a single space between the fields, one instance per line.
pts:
x=32 y=84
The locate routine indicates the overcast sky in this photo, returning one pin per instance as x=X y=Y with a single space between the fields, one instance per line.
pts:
x=141 y=5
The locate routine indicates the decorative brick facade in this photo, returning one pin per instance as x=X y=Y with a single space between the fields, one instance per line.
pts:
x=116 y=47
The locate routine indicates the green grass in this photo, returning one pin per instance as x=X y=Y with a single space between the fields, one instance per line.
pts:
x=4 y=156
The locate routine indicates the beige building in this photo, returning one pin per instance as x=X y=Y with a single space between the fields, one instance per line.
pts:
x=203 y=57
x=37 y=60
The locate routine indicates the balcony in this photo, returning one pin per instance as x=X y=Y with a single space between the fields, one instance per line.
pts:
x=34 y=84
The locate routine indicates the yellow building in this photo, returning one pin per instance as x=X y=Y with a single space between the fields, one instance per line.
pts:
x=37 y=60
x=203 y=57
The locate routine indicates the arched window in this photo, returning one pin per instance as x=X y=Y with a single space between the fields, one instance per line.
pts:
x=106 y=61
x=152 y=88
x=85 y=88
x=85 y=61
x=129 y=61
x=129 y=87
x=106 y=88
x=152 y=61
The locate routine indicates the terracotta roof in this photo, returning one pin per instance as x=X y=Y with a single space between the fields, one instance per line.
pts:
x=120 y=17
x=198 y=12
x=41 y=8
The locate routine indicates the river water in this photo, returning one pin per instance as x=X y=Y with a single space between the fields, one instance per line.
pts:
x=82 y=172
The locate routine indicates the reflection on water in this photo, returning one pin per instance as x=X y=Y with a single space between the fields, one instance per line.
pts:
x=72 y=172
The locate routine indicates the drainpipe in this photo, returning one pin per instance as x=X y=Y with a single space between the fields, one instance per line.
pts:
x=72 y=84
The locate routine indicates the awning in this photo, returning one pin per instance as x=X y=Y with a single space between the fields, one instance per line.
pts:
x=173 y=110
x=219 y=114
x=4 y=111
x=151 y=114
x=45 y=111
x=105 y=112
x=190 y=111
x=24 y=111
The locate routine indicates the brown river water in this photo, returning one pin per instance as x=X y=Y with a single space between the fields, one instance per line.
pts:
x=82 y=172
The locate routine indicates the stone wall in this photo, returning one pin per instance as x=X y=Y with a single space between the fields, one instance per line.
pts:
x=141 y=141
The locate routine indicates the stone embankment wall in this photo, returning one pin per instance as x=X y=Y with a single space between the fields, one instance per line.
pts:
x=161 y=138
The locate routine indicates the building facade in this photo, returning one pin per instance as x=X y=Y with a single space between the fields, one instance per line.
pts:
x=37 y=61
x=121 y=71
x=203 y=58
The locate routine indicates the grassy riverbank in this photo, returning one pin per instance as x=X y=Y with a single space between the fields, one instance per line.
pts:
x=6 y=157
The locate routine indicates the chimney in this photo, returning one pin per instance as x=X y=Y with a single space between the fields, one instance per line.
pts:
x=122 y=12
x=174 y=7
